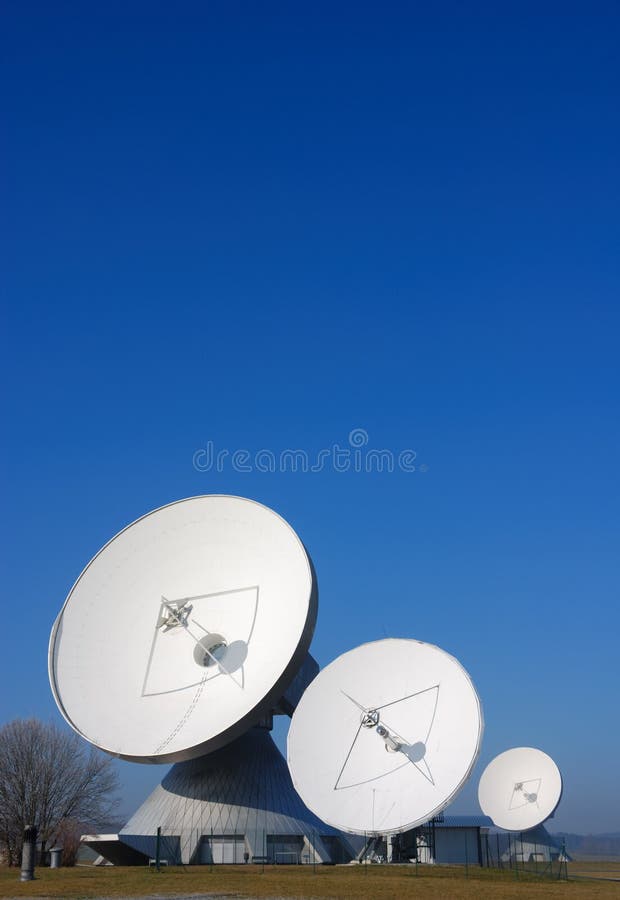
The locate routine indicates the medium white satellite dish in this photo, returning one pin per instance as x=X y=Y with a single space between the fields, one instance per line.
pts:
x=184 y=630
x=520 y=788
x=385 y=737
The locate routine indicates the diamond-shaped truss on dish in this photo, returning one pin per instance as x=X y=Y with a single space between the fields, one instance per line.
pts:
x=409 y=720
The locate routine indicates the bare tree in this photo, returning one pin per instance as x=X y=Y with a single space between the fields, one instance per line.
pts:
x=47 y=777
x=68 y=836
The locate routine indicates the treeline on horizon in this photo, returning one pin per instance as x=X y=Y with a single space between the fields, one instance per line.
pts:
x=606 y=844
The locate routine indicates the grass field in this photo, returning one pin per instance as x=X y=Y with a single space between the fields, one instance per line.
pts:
x=342 y=882
x=609 y=869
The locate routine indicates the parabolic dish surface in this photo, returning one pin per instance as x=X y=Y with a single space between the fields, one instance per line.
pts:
x=520 y=788
x=184 y=630
x=348 y=773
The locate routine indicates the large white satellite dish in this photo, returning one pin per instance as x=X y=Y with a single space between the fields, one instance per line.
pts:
x=520 y=788
x=385 y=736
x=184 y=630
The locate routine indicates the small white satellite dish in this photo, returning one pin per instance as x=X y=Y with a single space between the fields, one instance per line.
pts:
x=385 y=736
x=184 y=630
x=520 y=788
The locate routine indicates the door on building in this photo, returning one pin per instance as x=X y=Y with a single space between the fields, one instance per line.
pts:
x=284 y=848
x=219 y=848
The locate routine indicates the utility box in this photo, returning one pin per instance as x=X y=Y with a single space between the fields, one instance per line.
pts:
x=28 y=851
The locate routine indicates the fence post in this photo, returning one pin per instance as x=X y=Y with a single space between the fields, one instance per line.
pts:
x=466 y=855
x=516 y=866
x=563 y=862
x=158 y=849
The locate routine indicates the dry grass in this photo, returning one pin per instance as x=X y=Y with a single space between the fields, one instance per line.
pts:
x=600 y=868
x=374 y=882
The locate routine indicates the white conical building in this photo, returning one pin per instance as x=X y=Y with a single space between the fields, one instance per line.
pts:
x=533 y=845
x=234 y=805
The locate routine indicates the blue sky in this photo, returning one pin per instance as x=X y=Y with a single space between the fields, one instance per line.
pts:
x=267 y=225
